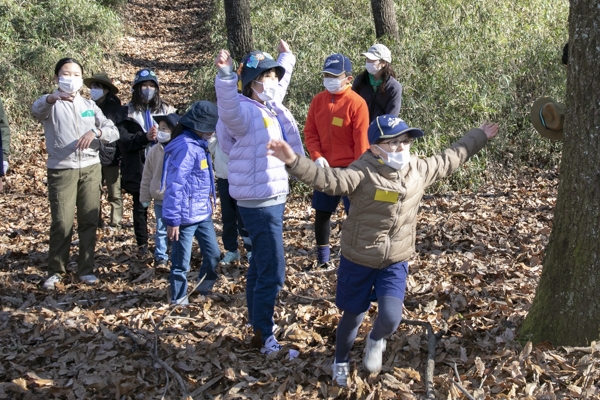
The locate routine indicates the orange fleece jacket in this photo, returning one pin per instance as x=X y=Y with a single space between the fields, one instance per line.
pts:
x=336 y=127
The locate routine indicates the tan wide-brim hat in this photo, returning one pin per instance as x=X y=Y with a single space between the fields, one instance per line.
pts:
x=102 y=78
x=548 y=118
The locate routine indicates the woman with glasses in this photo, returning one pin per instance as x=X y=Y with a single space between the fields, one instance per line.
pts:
x=385 y=187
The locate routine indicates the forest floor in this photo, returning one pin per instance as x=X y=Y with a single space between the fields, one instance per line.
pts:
x=474 y=274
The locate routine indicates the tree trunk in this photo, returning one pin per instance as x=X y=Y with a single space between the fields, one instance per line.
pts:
x=385 y=18
x=239 y=28
x=565 y=310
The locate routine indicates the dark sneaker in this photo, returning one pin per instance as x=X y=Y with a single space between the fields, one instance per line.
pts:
x=143 y=250
x=160 y=263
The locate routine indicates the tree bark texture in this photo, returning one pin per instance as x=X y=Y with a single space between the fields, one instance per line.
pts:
x=239 y=28
x=566 y=308
x=384 y=16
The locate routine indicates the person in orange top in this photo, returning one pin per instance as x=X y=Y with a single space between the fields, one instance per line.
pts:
x=335 y=134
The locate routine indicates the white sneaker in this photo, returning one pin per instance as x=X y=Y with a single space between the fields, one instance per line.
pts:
x=340 y=373
x=230 y=257
x=51 y=281
x=271 y=346
x=182 y=301
x=88 y=279
x=374 y=354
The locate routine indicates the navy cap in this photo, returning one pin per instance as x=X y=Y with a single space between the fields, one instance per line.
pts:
x=144 y=75
x=257 y=62
x=388 y=127
x=170 y=119
x=337 y=64
x=202 y=117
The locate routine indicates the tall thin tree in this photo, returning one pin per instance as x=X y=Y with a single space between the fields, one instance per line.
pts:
x=384 y=16
x=566 y=309
x=239 y=28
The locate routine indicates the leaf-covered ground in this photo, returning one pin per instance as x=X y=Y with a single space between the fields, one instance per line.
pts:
x=477 y=264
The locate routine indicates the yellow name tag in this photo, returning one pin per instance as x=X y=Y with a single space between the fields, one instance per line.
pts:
x=268 y=122
x=203 y=164
x=337 y=121
x=384 y=195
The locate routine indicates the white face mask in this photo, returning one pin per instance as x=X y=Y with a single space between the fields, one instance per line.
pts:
x=148 y=93
x=373 y=68
x=96 y=94
x=70 y=84
x=396 y=160
x=163 y=137
x=269 y=90
x=333 y=85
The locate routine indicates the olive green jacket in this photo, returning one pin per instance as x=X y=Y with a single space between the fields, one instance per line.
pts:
x=381 y=226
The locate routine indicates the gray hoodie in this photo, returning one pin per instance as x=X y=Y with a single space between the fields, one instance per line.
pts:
x=64 y=123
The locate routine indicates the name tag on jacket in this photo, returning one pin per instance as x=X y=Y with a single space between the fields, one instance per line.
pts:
x=386 y=196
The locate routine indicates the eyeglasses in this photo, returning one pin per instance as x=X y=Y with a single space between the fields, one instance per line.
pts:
x=395 y=143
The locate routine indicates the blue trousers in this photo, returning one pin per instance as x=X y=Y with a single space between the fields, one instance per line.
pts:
x=266 y=273
x=160 y=239
x=181 y=253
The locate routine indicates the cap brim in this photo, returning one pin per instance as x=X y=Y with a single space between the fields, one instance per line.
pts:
x=332 y=72
x=537 y=122
x=371 y=56
x=111 y=88
x=414 y=133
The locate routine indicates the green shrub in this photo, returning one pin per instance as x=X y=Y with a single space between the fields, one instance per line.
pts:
x=460 y=63
x=34 y=35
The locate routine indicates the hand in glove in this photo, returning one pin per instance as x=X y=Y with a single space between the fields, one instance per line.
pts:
x=321 y=162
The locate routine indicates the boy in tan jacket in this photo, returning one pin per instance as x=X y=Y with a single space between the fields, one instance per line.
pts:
x=385 y=186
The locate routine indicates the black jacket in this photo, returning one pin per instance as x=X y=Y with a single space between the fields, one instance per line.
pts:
x=386 y=101
x=110 y=154
x=132 y=142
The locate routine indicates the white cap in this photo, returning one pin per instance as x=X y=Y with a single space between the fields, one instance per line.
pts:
x=379 y=52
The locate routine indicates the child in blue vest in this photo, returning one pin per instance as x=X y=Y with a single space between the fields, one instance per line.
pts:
x=188 y=200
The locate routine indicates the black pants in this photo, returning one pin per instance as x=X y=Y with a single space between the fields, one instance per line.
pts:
x=140 y=220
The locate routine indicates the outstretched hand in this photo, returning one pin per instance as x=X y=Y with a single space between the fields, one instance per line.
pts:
x=223 y=59
x=283 y=47
x=281 y=150
x=490 y=129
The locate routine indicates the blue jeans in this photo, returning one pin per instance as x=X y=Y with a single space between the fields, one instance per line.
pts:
x=266 y=273
x=230 y=216
x=160 y=239
x=181 y=253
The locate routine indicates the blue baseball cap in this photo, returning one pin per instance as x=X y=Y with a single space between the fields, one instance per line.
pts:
x=388 y=127
x=257 y=62
x=144 y=75
x=336 y=64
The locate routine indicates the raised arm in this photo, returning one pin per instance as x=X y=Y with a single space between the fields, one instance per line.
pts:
x=231 y=114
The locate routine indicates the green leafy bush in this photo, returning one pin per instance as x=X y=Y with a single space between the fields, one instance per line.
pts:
x=460 y=63
x=34 y=35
